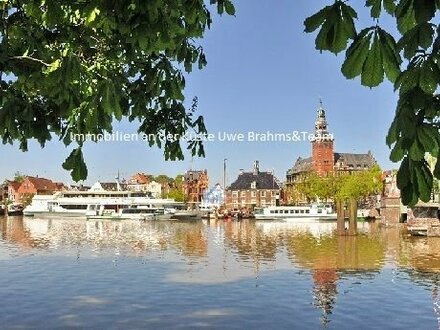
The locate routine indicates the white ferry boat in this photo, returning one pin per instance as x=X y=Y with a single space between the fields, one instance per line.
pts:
x=82 y=203
x=313 y=212
x=134 y=213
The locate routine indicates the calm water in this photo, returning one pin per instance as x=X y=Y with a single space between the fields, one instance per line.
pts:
x=59 y=273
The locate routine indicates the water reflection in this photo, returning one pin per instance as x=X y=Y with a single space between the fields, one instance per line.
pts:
x=220 y=252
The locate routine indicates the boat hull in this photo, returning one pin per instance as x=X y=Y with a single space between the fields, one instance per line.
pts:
x=141 y=217
x=297 y=218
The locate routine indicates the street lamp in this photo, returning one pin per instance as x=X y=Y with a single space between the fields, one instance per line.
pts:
x=224 y=173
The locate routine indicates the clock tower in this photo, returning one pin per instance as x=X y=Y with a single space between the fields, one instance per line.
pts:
x=323 y=158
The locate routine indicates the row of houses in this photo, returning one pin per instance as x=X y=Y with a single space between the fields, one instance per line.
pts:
x=23 y=190
x=194 y=187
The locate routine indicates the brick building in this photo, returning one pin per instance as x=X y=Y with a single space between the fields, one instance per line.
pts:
x=324 y=160
x=33 y=186
x=12 y=191
x=138 y=182
x=253 y=189
x=195 y=184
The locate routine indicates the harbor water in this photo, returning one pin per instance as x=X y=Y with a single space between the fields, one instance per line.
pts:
x=73 y=273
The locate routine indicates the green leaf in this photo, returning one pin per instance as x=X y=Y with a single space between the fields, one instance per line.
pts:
x=393 y=133
x=389 y=6
x=427 y=135
x=397 y=153
x=337 y=26
x=424 y=10
x=424 y=180
x=357 y=54
x=405 y=16
x=229 y=7
x=403 y=174
x=373 y=72
x=92 y=15
x=437 y=169
x=376 y=7
x=75 y=163
x=390 y=55
x=313 y=22
x=53 y=66
x=416 y=151
x=420 y=36
x=429 y=76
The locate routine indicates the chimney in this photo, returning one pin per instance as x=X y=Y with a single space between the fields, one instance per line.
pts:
x=241 y=171
x=256 y=167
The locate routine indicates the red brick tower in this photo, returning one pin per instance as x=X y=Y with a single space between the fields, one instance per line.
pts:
x=323 y=158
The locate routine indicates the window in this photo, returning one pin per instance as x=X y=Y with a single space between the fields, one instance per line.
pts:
x=263 y=193
x=253 y=185
x=243 y=193
x=234 y=193
x=253 y=194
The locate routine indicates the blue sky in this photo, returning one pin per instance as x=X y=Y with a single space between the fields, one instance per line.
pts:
x=263 y=74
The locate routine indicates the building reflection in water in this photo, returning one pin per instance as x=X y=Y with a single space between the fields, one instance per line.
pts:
x=13 y=230
x=219 y=251
x=420 y=259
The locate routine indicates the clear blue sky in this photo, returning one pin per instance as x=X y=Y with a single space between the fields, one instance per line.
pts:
x=263 y=74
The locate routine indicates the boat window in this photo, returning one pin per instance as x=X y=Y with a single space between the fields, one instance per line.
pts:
x=286 y=211
x=307 y=211
x=292 y=211
x=319 y=210
x=272 y=211
x=74 y=207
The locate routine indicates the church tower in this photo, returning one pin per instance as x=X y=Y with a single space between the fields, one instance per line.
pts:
x=323 y=158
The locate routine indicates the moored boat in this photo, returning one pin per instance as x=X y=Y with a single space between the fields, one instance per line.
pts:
x=133 y=213
x=311 y=212
x=15 y=209
x=78 y=203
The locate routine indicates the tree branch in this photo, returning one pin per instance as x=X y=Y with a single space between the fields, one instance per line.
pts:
x=24 y=57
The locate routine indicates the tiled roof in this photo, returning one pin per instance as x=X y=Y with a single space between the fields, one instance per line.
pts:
x=263 y=180
x=15 y=184
x=355 y=160
x=139 y=178
x=42 y=184
x=301 y=165
x=347 y=160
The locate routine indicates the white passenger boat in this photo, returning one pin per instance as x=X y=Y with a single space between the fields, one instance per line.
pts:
x=311 y=212
x=79 y=203
x=133 y=213
x=181 y=212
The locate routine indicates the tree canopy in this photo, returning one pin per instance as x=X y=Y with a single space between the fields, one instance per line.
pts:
x=345 y=186
x=70 y=68
x=409 y=58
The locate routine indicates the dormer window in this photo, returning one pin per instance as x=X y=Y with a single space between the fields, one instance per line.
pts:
x=253 y=185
